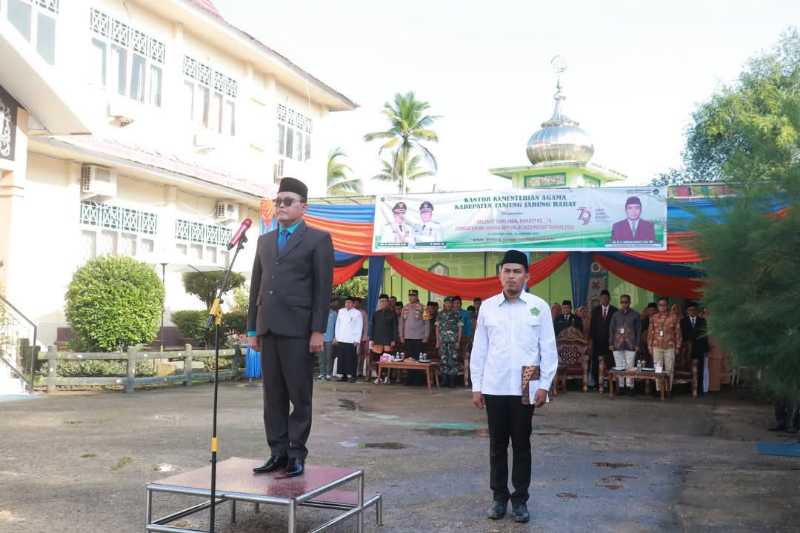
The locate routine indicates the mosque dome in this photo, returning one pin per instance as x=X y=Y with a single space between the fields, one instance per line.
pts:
x=560 y=139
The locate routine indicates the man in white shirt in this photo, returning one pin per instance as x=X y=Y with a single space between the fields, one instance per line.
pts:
x=347 y=337
x=514 y=329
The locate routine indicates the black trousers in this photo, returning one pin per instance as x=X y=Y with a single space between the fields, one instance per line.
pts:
x=288 y=368
x=413 y=347
x=701 y=371
x=348 y=360
x=509 y=419
x=599 y=351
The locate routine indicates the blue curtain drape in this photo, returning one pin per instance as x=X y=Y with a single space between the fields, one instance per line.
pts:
x=374 y=285
x=580 y=264
x=668 y=269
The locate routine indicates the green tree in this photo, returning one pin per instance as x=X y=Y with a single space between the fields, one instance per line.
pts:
x=401 y=171
x=748 y=132
x=410 y=128
x=113 y=303
x=752 y=289
x=204 y=285
x=355 y=286
x=340 y=183
x=748 y=136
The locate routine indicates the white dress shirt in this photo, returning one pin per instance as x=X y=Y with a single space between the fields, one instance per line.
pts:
x=508 y=336
x=349 y=324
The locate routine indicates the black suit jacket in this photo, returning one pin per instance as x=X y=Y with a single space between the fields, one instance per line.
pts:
x=290 y=292
x=561 y=323
x=599 y=328
x=696 y=337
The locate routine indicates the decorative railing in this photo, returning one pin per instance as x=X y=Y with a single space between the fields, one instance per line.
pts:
x=188 y=230
x=118 y=218
x=17 y=341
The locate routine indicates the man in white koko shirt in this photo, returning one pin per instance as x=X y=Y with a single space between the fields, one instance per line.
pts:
x=514 y=329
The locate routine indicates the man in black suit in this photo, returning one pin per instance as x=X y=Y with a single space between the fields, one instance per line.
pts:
x=289 y=294
x=695 y=338
x=567 y=319
x=599 y=332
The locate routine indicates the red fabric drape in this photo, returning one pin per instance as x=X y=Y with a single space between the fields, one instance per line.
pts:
x=660 y=284
x=471 y=287
x=347 y=237
x=678 y=250
x=342 y=274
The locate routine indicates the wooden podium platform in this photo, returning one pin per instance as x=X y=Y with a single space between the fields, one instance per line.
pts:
x=317 y=487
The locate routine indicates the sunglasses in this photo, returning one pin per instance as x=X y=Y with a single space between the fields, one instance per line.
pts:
x=286 y=201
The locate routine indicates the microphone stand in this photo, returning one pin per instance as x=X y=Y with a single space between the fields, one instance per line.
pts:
x=215 y=318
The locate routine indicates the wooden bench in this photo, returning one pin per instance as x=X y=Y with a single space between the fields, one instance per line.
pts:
x=430 y=370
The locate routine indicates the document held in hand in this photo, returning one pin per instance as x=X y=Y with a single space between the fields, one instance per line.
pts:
x=530 y=383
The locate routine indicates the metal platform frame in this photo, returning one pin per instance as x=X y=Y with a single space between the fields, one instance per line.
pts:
x=308 y=499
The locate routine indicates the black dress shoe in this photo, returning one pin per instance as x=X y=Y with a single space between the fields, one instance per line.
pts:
x=273 y=463
x=295 y=468
x=497 y=510
x=520 y=512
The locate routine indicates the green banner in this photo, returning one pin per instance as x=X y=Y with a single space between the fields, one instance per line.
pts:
x=583 y=219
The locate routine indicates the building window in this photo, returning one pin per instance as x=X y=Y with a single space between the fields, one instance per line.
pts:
x=110 y=229
x=210 y=97
x=144 y=69
x=155 y=85
x=36 y=21
x=99 y=56
x=294 y=134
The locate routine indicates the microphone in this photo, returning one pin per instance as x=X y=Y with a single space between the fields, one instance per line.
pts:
x=239 y=236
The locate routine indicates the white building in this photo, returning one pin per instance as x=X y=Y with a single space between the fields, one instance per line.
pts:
x=148 y=128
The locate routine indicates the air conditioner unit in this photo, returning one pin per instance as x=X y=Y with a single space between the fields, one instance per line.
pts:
x=122 y=110
x=98 y=182
x=226 y=211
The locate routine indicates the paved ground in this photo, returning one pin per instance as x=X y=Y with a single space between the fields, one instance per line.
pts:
x=79 y=462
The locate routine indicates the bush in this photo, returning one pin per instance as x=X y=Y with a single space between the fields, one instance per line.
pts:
x=356 y=286
x=114 y=302
x=192 y=325
x=234 y=322
x=204 y=285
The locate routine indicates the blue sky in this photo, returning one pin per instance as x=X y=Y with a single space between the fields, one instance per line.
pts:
x=636 y=70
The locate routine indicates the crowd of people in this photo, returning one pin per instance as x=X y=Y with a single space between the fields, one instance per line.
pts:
x=660 y=336
x=410 y=329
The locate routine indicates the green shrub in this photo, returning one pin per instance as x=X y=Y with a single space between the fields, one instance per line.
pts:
x=241 y=299
x=103 y=368
x=114 y=302
x=192 y=325
x=355 y=286
x=204 y=285
x=234 y=322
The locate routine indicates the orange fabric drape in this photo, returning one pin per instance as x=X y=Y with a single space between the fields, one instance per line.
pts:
x=660 y=284
x=347 y=237
x=343 y=273
x=678 y=250
x=471 y=287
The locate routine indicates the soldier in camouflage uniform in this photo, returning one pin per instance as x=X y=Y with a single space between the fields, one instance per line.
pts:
x=448 y=340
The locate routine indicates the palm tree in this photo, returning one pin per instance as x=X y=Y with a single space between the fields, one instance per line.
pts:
x=410 y=126
x=400 y=171
x=339 y=181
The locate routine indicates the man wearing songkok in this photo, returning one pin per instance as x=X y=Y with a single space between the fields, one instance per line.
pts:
x=514 y=340
x=290 y=292
x=346 y=338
